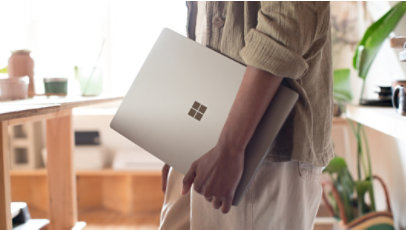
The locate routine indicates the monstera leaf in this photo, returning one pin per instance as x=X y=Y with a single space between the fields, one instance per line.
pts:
x=343 y=182
x=341 y=85
x=336 y=165
x=362 y=187
x=373 y=38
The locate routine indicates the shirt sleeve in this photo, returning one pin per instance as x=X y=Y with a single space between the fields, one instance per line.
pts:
x=284 y=33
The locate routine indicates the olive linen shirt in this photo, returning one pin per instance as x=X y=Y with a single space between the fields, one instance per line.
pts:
x=286 y=39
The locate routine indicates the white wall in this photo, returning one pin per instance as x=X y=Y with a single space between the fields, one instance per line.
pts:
x=388 y=161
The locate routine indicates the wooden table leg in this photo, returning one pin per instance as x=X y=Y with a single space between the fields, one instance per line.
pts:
x=61 y=174
x=5 y=195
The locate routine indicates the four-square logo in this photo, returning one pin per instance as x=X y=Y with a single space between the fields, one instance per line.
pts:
x=197 y=111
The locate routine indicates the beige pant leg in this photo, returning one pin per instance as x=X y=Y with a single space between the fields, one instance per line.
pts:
x=283 y=195
x=175 y=213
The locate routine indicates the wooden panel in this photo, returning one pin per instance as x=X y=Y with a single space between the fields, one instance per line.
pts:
x=5 y=199
x=89 y=192
x=29 y=172
x=117 y=193
x=33 y=190
x=48 y=114
x=123 y=192
x=61 y=179
x=147 y=194
x=105 y=219
x=112 y=172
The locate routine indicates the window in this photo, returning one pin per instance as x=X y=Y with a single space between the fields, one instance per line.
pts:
x=64 y=34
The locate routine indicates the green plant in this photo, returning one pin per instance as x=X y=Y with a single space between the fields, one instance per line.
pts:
x=372 y=40
x=4 y=70
x=341 y=85
x=344 y=184
x=352 y=192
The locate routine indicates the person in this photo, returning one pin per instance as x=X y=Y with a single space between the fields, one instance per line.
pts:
x=280 y=43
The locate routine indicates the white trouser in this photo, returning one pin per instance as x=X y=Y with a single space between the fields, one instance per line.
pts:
x=283 y=195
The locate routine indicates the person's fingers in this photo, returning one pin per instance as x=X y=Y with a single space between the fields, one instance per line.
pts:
x=226 y=205
x=198 y=187
x=188 y=179
x=165 y=171
x=217 y=202
x=209 y=199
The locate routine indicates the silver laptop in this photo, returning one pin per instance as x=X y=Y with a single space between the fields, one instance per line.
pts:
x=178 y=103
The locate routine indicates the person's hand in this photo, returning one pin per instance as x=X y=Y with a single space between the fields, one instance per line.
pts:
x=216 y=175
x=165 y=171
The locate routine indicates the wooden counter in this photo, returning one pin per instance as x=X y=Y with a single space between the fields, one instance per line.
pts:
x=57 y=111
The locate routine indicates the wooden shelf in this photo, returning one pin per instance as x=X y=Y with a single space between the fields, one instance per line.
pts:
x=339 y=120
x=383 y=119
x=124 y=192
x=100 y=218
x=102 y=172
x=35 y=172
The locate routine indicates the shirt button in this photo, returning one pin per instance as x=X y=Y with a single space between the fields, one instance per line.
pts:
x=218 y=21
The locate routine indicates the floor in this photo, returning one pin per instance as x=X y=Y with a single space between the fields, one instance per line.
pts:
x=108 y=220
x=102 y=219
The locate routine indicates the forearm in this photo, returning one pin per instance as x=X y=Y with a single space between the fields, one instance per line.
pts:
x=257 y=89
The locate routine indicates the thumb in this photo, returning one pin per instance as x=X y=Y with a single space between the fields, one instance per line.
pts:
x=165 y=171
x=188 y=179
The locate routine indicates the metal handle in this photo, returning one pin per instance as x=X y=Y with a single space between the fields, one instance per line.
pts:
x=395 y=97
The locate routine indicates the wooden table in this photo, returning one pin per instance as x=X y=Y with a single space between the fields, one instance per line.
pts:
x=57 y=111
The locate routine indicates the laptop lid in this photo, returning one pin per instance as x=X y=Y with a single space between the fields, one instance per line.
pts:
x=178 y=103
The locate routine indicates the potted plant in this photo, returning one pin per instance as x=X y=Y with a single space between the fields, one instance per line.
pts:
x=346 y=198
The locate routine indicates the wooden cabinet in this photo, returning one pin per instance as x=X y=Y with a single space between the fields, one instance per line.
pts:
x=61 y=181
x=123 y=192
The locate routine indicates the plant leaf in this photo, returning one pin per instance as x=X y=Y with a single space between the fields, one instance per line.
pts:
x=373 y=38
x=346 y=199
x=343 y=182
x=336 y=165
x=362 y=187
x=4 y=70
x=341 y=85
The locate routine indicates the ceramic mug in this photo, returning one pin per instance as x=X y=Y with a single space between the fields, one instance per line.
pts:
x=399 y=100
x=56 y=86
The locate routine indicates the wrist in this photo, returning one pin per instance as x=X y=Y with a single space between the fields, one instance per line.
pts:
x=230 y=146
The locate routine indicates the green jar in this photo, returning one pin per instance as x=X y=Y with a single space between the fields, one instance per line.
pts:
x=56 y=86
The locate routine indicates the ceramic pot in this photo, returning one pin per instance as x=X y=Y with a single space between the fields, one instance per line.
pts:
x=21 y=64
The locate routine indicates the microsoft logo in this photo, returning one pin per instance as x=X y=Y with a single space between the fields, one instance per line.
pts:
x=197 y=111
